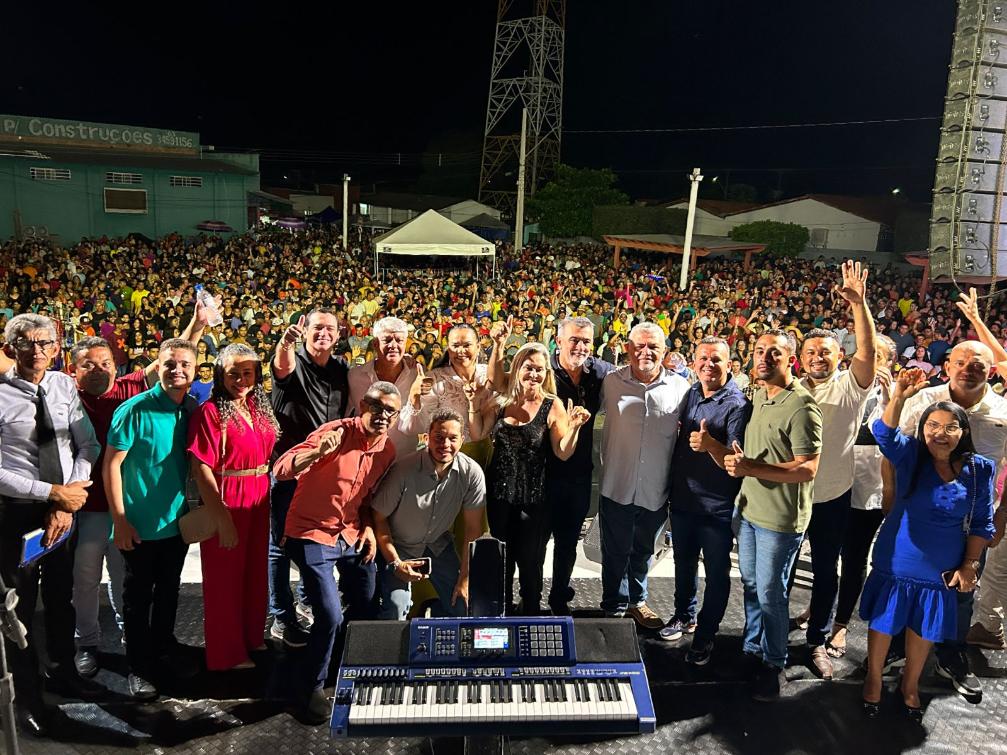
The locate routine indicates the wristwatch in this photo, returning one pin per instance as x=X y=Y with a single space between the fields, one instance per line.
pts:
x=973 y=562
x=394 y=565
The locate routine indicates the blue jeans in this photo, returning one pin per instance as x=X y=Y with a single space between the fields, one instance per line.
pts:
x=281 y=599
x=765 y=559
x=357 y=583
x=396 y=595
x=570 y=500
x=690 y=534
x=628 y=534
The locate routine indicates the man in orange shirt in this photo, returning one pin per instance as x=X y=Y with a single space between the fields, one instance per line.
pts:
x=337 y=468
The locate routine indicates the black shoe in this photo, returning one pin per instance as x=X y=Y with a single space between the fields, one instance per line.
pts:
x=700 y=652
x=140 y=688
x=178 y=663
x=913 y=714
x=560 y=609
x=86 y=661
x=318 y=709
x=62 y=681
x=871 y=710
x=956 y=669
x=291 y=635
x=769 y=684
x=33 y=720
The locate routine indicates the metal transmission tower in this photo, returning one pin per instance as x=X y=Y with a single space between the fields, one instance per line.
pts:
x=527 y=73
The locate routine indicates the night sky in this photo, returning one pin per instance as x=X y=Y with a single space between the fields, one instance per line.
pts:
x=352 y=86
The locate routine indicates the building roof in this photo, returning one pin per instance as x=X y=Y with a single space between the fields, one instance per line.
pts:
x=405 y=201
x=485 y=220
x=666 y=242
x=266 y=198
x=719 y=207
x=882 y=209
x=139 y=159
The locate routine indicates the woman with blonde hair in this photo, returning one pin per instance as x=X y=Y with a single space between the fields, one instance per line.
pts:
x=231 y=439
x=526 y=424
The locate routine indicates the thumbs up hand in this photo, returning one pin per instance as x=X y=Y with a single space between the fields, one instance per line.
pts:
x=698 y=438
x=735 y=463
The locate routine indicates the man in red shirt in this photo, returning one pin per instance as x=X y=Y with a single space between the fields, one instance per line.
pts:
x=328 y=525
x=92 y=365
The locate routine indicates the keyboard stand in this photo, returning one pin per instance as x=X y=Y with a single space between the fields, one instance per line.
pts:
x=472 y=745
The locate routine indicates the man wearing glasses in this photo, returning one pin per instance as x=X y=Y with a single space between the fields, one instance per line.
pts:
x=47 y=448
x=329 y=524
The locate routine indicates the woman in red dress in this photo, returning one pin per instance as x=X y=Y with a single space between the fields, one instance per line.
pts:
x=231 y=438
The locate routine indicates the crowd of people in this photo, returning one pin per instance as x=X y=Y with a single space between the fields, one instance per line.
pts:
x=368 y=428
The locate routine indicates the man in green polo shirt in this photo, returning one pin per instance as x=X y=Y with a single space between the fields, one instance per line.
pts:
x=779 y=462
x=145 y=471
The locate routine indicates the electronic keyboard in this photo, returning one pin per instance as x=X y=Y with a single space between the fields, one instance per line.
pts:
x=492 y=676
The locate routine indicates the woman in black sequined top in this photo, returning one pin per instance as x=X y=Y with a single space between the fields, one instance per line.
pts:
x=526 y=423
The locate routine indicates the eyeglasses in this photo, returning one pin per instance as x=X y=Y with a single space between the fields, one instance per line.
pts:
x=23 y=344
x=380 y=409
x=949 y=429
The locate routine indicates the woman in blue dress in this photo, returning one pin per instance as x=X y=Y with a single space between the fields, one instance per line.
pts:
x=931 y=540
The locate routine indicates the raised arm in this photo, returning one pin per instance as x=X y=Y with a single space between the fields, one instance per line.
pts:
x=853 y=290
x=285 y=360
x=969 y=306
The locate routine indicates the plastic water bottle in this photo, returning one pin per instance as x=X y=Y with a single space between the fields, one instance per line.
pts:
x=204 y=297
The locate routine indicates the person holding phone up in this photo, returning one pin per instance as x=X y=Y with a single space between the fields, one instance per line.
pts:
x=414 y=510
x=931 y=540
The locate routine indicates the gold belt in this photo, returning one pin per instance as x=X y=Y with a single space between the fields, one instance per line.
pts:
x=256 y=472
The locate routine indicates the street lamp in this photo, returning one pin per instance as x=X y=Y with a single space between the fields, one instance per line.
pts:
x=346 y=214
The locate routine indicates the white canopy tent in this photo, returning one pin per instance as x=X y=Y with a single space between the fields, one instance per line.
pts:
x=431 y=234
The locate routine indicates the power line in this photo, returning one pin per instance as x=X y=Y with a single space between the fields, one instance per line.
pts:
x=767 y=126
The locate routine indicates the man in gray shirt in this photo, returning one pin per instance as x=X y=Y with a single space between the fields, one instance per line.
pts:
x=642 y=405
x=414 y=510
x=47 y=447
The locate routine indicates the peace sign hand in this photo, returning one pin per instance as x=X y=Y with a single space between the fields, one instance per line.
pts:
x=501 y=330
x=969 y=305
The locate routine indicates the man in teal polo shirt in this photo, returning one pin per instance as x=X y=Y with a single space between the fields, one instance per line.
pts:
x=145 y=470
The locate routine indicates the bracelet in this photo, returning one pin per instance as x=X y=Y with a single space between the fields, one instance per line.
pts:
x=394 y=565
x=973 y=562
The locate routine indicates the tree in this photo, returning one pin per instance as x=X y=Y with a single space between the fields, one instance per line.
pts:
x=781 y=239
x=564 y=206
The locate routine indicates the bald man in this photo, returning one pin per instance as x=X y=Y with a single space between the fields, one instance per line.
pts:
x=969 y=367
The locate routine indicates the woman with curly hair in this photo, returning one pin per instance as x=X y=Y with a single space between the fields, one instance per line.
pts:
x=231 y=438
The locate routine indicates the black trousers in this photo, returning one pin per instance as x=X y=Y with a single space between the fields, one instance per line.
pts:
x=52 y=577
x=525 y=533
x=861 y=526
x=151 y=575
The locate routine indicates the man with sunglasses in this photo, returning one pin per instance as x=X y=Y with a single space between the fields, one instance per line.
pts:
x=47 y=449
x=329 y=524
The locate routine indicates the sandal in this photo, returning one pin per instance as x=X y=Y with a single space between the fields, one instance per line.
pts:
x=836 y=651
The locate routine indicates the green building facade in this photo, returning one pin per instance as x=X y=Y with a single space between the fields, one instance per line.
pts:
x=72 y=179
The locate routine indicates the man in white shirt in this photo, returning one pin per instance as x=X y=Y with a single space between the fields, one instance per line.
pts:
x=841 y=395
x=392 y=365
x=642 y=402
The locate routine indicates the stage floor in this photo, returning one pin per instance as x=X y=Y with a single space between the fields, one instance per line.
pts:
x=703 y=710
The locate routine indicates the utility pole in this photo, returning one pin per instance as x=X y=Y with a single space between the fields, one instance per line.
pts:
x=346 y=214
x=694 y=178
x=519 y=214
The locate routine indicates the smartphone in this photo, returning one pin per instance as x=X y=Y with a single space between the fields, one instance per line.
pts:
x=422 y=566
x=946 y=576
